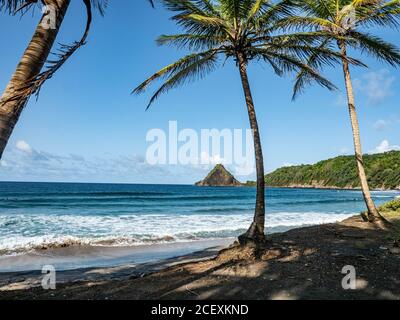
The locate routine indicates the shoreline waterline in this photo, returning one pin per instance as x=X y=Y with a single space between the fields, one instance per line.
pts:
x=82 y=257
x=109 y=224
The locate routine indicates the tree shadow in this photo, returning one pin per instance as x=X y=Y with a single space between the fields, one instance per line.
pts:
x=305 y=263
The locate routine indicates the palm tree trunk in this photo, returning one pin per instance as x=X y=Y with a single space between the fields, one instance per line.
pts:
x=373 y=213
x=256 y=230
x=29 y=67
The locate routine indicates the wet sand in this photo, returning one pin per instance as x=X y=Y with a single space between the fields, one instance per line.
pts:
x=80 y=263
x=304 y=263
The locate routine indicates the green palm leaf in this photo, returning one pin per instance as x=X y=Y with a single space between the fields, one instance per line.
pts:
x=255 y=28
x=326 y=17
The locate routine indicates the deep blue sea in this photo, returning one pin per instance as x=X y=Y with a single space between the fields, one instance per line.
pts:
x=33 y=215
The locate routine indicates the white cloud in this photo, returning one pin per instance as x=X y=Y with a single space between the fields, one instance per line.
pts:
x=288 y=164
x=380 y=125
x=385 y=146
x=377 y=86
x=23 y=146
x=25 y=163
x=206 y=159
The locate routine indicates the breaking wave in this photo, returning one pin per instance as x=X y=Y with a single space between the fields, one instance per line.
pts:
x=22 y=233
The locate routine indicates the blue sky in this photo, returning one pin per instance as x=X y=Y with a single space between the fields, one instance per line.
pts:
x=86 y=127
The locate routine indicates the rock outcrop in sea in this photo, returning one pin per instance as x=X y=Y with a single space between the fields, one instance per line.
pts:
x=219 y=177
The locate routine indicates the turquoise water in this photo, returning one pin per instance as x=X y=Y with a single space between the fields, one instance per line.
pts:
x=33 y=215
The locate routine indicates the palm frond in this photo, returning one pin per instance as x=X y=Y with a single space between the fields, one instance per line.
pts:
x=21 y=6
x=302 y=78
x=327 y=17
x=288 y=63
x=255 y=29
x=190 y=41
x=376 y=47
x=189 y=68
x=386 y=15
x=16 y=6
x=64 y=52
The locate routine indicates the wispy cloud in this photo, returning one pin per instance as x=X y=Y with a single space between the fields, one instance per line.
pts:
x=23 y=146
x=376 y=85
x=288 y=164
x=381 y=124
x=23 y=162
x=385 y=146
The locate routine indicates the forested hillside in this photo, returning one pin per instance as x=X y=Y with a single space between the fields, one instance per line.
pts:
x=383 y=172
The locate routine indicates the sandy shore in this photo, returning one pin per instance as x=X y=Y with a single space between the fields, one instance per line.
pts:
x=304 y=263
x=81 y=257
x=80 y=263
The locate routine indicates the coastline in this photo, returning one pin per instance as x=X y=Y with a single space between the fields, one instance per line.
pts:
x=314 y=247
x=115 y=216
x=321 y=187
x=168 y=256
x=88 y=257
x=303 y=263
x=80 y=255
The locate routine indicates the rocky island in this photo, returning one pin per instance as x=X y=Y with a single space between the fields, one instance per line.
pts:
x=219 y=177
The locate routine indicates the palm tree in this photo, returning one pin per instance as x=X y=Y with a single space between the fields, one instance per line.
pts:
x=339 y=22
x=243 y=30
x=29 y=77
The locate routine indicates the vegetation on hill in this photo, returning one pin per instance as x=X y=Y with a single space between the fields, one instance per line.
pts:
x=383 y=172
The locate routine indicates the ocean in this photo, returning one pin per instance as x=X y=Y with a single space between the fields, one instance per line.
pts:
x=50 y=215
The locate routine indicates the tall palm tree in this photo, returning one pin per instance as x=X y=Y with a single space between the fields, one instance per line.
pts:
x=244 y=30
x=29 y=77
x=341 y=22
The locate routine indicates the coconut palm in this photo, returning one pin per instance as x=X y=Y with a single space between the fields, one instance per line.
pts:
x=245 y=31
x=342 y=23
x=29 y=77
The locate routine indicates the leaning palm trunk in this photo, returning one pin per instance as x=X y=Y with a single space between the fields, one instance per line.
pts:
x=373 y=213
x=28 y=68
x=256 y=230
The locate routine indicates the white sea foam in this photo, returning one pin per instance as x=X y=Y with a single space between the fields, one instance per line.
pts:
x=22 y=232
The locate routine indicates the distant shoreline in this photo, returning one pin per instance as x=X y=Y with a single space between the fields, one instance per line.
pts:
x=245 y=184
x=253 y=184
x=341 y=173
x=328 y=188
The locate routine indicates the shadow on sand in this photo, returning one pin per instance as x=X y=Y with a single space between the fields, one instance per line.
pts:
x=304 y=263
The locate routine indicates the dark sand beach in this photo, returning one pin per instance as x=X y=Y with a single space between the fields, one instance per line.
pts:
x=85 y=257
x=303 y=263
x=82 y=263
